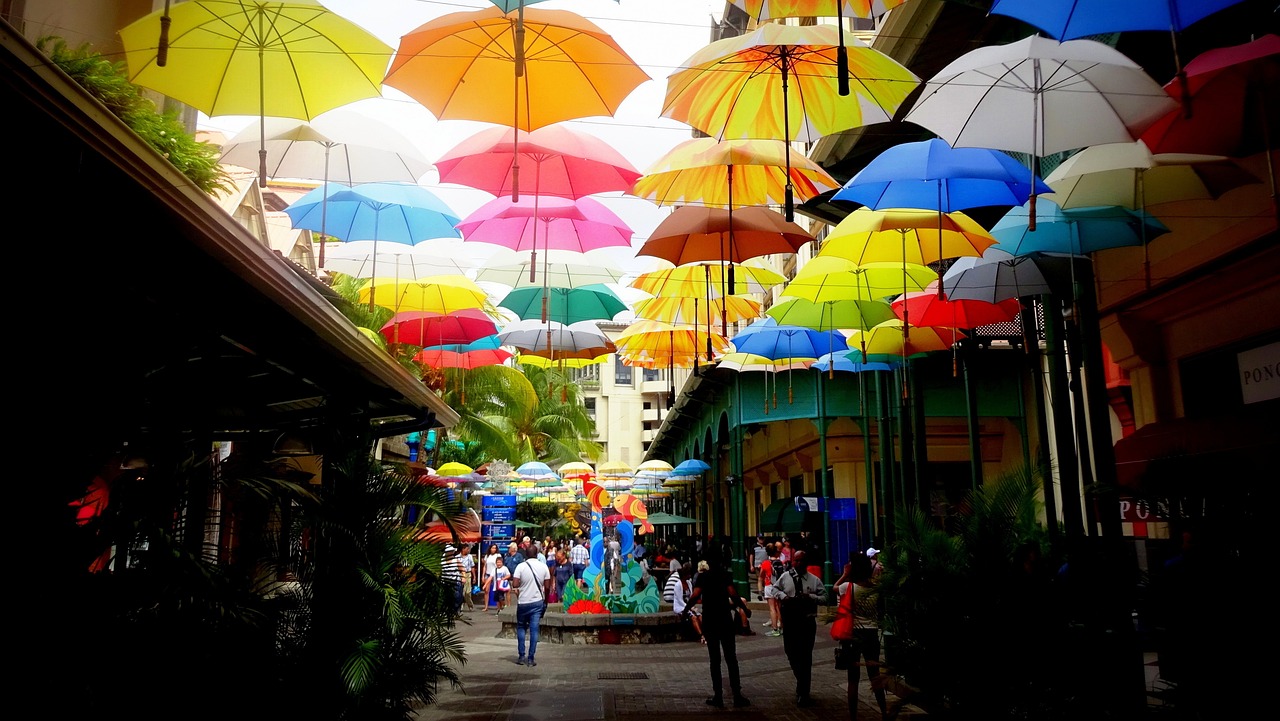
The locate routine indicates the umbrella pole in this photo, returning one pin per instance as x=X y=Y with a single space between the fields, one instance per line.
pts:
x=786 y=141
x=842 y=60
x=324 y=206
x=262 y=109
x=726 y=273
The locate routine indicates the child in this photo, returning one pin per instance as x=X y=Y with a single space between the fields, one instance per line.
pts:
x=502 y=582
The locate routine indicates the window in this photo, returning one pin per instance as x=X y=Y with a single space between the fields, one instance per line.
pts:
x=651 y=374
x=590 y=403
x=621 y=372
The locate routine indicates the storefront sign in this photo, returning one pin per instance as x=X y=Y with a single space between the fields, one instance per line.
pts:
x=1260 y=373
x=1136 y=510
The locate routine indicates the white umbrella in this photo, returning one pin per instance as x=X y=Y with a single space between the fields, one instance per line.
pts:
x=539 y=336
x=1040 y=96
x=360 y=258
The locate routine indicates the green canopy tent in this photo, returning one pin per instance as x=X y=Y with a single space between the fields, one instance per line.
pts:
x=782 y=516
x=662 y=518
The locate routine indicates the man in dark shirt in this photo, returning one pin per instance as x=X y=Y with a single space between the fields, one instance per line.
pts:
x=718 y=595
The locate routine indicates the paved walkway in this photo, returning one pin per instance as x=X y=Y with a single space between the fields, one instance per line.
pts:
x=649 y=682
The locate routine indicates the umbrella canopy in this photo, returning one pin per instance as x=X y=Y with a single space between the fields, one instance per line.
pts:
x=690 y=467
x=536 y=470
x=660 y=344
x=425 y=328
x=926 y=309
x=614 y=468
x=662 y=518
x=706 y=280
x=655 y=465
x=748 y=362
x=998 y=275
x=932 y=175
x=905 y=235
x=293 y=59
x=1128 y=174
x=533 y=336
x=692 y=311
x=528 y=359
x=454 y=469
x=740 y=87
x=832 y=314
x=1077 y=231
x=390 y=212
x=463 y=66
x=834 y=278
x=567 y=305
x=436 y=293
x=557 y=160
x=846 y=361
x=368 y=258
x=731 y=174
x=698 y=233
x=1067 y=19
x=1040 y=96
x=554 y=274
x=892 y=338
x=479 y=353
x=766 y=337
x=575 y=468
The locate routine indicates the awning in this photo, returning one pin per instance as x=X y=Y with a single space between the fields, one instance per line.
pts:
x=1206 y=447
x=782 y=516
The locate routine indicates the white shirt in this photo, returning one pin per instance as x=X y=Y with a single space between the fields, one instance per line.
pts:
x=531 y=573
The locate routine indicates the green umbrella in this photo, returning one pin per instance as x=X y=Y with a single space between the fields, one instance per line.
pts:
x=662 y=518
x=526 y=524
x=594 y=301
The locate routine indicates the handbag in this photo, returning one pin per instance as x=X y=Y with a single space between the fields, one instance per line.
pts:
x=843 y=625
x=842 y=658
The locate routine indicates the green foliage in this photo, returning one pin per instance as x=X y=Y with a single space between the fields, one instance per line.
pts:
x=108 y=82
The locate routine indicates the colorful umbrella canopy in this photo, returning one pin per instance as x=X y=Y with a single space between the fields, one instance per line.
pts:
x=561 y=160
x=846 y=361
x=535 y=336
x=483 y=352
x=892 y=339
x=566 y=305
x=437 y=293
x=932 y=175
x=747 y=362
x=368 y=258
x=905 y=235
x=766 y=337
x=293 y=59
x=554 y=274
x=665 y=344
x=827 y=278
x=529 y=359
x=614 y=468
x=998 y=275
x=1078 y=231
x=706 y=280
x=831 y=315
x=454 y=469
x=658 y=465
x=731 y=174
x=690 y=466
x=1067 y=19
x=536 y=470
x=575 y=468
x=698 y=233
x=740 y=87
x=927 y=309
x=389 y=212
x=425 y=328
x=697 y=310
x=463 y=66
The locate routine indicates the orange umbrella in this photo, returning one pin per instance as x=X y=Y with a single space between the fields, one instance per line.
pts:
x=698 y=233
x=655 y=340
x=697 y=310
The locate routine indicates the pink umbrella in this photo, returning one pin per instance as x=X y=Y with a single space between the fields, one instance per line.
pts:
x=555 y=223
x=566 y=163
x=424 y=327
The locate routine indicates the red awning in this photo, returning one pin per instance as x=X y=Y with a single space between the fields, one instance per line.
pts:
x=1228 y=443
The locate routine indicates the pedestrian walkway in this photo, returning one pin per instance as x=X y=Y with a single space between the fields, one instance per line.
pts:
x=639 y=682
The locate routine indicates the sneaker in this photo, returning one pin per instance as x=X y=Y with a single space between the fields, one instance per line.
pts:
x=532 y=662
x=775 y=633
x=520 y=661
x=740 y=700
x=715 y=701
x=768 y=625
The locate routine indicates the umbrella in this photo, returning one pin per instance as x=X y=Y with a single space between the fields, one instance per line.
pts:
x=575 y=468
x=453 y=469
x=905 y=235
x=426 y=328
x=932 y=175
x=655 y=344
x=891 y=339
x=366 y=258
x=766 y=337
x=699 y=233
x=293 y=59
x=998 y=275
x=479 y=353
x=536 y=470
x=1077 y=231
x=845 y=361
x=436 y=293
x=1040 y=96
x=656 y=465
x=614 y=468
x=844 y=314
x=750 y=362
x=555 y=274
x=566 y=162
x=706 y=280
x=759 y=10
x=390 y=212
x=528 y=359
x=692 y=311
x=834 y=278
x=690 y=467
x=559 y=65
x=927 y=309
x=539 y=337
x=567 y=305
x=662 y=518
x=739 y=87
x=731 y=174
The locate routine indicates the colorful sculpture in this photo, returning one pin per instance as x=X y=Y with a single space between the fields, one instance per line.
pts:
x=636 y=592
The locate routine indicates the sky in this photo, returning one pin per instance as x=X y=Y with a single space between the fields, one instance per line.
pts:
x=657 y=34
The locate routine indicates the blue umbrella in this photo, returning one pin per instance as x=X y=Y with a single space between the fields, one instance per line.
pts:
x=766 y=337
x=1077 y=231
x=842 y=361
x=391 y=212
x=1070 y=19
x=489 y=342
x=931 y=175
x=536 y=469
x=690 y=467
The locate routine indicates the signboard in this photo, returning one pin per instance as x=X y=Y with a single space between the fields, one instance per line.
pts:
x=497 y=519
x=1260 y=373
x=811 y=503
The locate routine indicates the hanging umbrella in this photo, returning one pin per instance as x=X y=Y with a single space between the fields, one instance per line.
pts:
x=927 y=309
x=453 y=469
x=932 y=175
x=827 y=278
x=566 y=305
x=436 y=293
x=565 y=162
x=388 y=212
x=534 y=470
x=905 y=235
x=654 y=344
x=575 y=468
x=752 y=363
x=425 y=328
x=561 y=362
x=558 y=65
x=998 y=275
x=698 y=233
x=554 y=274
x=654 y=466
x=705 y=280
x=293 y=59
x=1078 y=231
x=845 y=361
x=479 y=353
x=891 y=339
x=829 y=315
x=1040 y=96
x=559 y=339
x=694 y=311
x=690 y=467
x=614 y=468
x=766 y=337
x=366 y=258
x=740 y=87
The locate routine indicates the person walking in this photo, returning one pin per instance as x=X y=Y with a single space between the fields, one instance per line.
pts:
x=719 y=597
x=531 y=582
x=799 y=593
x=857 y=628
x=501 y=584
x=467 y=563
x=579 y=557
x=770 y=570
x=489 y=576
x=563 y=572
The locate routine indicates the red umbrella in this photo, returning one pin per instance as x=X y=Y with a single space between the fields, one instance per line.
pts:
x=928 y=309
x=425 y=328
x=466 y=360
x=566 y=163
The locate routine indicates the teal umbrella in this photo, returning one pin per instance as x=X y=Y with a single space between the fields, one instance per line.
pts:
x=1077 y=231
x=594 y=301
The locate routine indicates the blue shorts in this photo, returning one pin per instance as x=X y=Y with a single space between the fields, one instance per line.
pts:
x=578 y=570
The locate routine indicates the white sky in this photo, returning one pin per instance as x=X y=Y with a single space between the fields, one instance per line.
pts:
x=657 y=34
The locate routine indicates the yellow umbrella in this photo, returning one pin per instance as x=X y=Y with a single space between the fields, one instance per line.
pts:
x=575 y=468
x=537 y=361
x=697 y=310
x=731 y=174
x=826 y=278
x=453 y=469
x=613 y=468
x=707 y=280
x=751 y=362
x=905 y=235
x=435 y=293
x=293 y=59
x=891 y=338
x=655 y=341
x=740 y=87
